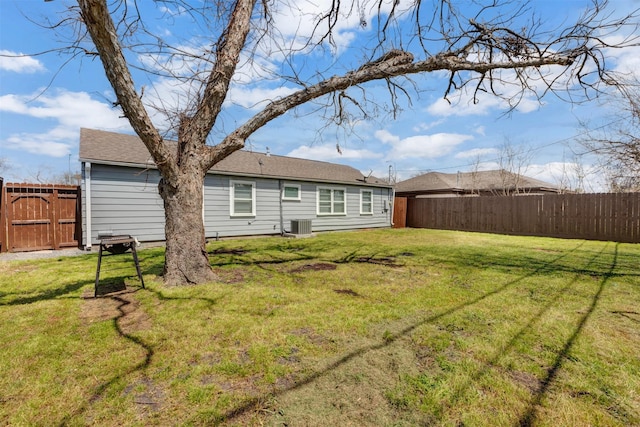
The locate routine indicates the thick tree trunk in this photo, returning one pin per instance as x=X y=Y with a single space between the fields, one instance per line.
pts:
x=186 y=258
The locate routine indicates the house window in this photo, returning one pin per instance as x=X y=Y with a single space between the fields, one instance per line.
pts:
x=291 y=192
x=331 y=201
x=243 y=198
x=366 y=202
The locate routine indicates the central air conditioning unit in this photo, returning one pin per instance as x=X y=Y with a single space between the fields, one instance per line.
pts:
x=301 y=226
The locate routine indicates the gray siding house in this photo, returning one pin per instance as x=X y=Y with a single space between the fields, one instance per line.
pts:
x=245 y=194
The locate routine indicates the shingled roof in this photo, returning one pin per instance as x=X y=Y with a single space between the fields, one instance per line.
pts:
x=99 y=146
x=466 y=182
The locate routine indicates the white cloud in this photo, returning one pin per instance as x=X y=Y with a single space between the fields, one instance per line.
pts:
x=461 y=103
x=42 y=144
x=387 y=137
x=480 y=130
x=68 y=111
x=169 y=12
x=422 y=127
x=421 y=146
x=484 y=166
x=330 y=152
x=19 y=62
x=627 y=60
x=476 y=153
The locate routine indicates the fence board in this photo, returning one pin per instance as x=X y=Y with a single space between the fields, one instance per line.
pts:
x=400 y=212
x=610 y=216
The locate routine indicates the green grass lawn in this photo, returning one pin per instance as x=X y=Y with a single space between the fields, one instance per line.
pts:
x=381 y=328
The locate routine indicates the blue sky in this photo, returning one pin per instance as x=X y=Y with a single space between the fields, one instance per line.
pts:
x=43 y=106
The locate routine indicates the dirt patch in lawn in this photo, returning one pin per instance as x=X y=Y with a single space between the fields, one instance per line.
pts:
x=311 y=335
x=121 y=306
x=14 y=269
x=526 y=380
x=387 y=261
x=229 y=276
x=350 y=292
x=225 y=251
x=146 y=395
x=319 y=266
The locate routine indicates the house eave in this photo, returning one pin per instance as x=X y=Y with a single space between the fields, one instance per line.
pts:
x=245 y=175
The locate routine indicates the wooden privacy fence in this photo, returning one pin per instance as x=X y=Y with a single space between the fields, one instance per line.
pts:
x=614 y=217
x=37 y=217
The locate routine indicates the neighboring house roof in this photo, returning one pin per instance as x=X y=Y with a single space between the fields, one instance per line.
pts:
x=99 y=146
x=469 y=182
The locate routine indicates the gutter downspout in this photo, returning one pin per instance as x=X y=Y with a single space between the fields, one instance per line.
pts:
x=281 y=185
x=204 y=225
x=87 y=201
x=393 y=204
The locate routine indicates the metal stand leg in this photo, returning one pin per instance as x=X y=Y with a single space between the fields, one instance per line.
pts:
x=135 y=259
x=95 y=290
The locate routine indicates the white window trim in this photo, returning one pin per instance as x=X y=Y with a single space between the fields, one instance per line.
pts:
x=293 y=199
x=362 y=212
x=332 y=213
x=232 y=184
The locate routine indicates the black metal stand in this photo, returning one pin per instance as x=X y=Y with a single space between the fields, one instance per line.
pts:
x=117 y=245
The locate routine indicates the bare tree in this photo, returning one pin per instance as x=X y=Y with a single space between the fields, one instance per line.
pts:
x=618 y=143
x=496 y=47
x=4 y=165
x=571 y=176
x=475 y=175
x=67 y=178
x=513 y=162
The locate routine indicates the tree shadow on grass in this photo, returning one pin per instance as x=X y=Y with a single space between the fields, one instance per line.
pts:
x=116 y=291
x=164 y=297
x=65 y=291
x=529 y=416
x=540 y=388
x=634 y=316
x=591 y=266
x=48 y=291
x=254 y=403
x=231 y=259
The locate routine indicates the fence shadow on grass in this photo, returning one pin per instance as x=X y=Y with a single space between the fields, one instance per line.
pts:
x=254 y=403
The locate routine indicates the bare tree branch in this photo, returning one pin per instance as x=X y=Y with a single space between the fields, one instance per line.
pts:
x=617 y=143
x=99 y=23
x=392 y=64
x=229 y=46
